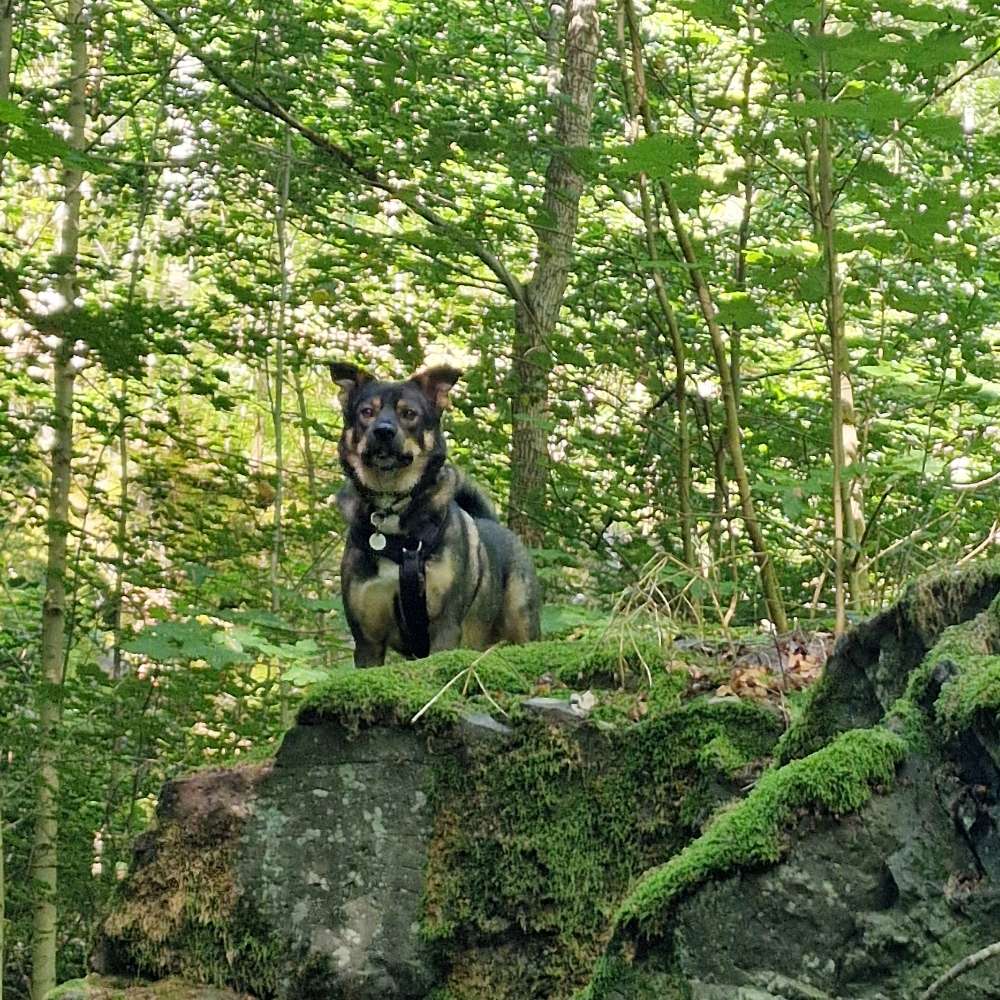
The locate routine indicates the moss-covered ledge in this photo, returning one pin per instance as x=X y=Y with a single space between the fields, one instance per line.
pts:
x=923 y=673
x=444 y=686
x=517 y=828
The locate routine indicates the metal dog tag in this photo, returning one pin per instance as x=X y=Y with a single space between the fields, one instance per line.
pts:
x=377 y=541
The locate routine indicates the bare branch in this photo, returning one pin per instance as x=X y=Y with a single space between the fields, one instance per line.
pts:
x=977 y=958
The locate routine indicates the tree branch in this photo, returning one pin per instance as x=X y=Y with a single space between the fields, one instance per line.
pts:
x=977 y=958
x=258 y=99
x=920 y=109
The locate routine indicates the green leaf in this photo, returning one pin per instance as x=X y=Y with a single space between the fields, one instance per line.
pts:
x=657 y=155
x=739 y=310
x=946 y=128
x=718 y=12
x=925 y=12
x=301 y=675
x=37 y=144
x=13 y=114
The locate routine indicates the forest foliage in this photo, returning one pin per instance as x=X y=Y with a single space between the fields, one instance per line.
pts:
x=722 y=277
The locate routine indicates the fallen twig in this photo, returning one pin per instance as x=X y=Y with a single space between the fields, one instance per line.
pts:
x=977 y=958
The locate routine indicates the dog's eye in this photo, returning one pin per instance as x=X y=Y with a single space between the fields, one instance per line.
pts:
x=366 y=413
x=407 y=414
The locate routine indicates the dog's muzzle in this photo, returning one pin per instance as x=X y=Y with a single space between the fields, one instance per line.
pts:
x=382 y=451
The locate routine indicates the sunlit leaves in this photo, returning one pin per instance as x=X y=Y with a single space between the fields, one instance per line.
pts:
x=29 y=140
x=658 y=155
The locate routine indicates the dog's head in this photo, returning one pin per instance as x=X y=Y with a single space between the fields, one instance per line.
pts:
x=392 y=430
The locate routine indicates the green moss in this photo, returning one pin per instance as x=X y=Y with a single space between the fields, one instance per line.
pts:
x=838 y=779
x=96 y=987
x=966 y=652
x=450 y=682
x=182 y=914
x=622 y=980
x=73 y=989
x=937 y=600
x=541 y=844
x=814 y=725
x=976 y=689
x=970 y=653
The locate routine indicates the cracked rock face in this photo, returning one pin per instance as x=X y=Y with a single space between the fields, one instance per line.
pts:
x=343 y=877
x=860 y=908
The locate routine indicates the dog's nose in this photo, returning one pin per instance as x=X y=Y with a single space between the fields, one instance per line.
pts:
x=384 y=432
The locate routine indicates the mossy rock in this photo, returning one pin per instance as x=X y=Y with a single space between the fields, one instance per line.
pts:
x=96 y=987
x=625 y=853
x=893 y=896
x=879 y=662
x=465 y=854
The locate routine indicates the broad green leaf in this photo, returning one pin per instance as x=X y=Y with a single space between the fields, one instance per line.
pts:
x=719 y=12
x=301 y=675
x=657 y=155
x=739 y=310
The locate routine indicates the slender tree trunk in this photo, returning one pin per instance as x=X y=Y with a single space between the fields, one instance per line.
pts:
x=734 y=443
x=749 y=162
x=6 y=65
x=650 y=218
x=278 y=399
x=848 y=515
x=537 y=310
x=49 y=692
x=309 y=460
x=851 y=581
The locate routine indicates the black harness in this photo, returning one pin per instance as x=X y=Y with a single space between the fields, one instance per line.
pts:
x=410 y=550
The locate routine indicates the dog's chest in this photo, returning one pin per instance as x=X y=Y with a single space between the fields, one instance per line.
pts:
x=372 y=599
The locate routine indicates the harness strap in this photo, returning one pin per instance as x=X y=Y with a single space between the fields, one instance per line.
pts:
x=410 y=552
x=411 y=606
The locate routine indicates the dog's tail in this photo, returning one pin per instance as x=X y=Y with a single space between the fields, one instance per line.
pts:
x=474 y=501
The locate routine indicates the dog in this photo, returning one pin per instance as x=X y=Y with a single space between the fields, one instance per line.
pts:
x=427 y=566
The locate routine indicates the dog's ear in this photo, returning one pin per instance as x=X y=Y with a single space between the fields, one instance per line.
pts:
x=436 y=383
x=349 y=378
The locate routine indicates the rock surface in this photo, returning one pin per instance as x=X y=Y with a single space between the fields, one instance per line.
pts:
x=334 y=853
x=877 y=905
x=375 y=860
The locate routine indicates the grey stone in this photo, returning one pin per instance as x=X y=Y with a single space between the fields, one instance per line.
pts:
x=554 y=709
x=478 y=726
x=353 y=903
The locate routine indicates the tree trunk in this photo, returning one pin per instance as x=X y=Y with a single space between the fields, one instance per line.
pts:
x=278 y=401
x=49 y=692
x=733 y=434
x=848 y=513
x=537 y=309
x=6 y=65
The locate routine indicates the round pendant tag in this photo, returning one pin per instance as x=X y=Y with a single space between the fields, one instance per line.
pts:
x=377 y=541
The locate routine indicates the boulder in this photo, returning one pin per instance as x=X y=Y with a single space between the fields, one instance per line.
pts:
x=375 y=858
x=454 y=829
x=795 y=896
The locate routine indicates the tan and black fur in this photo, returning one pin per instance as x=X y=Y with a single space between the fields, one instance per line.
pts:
x=480 y=584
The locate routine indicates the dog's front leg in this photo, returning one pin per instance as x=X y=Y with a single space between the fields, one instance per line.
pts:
x=368 y=653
